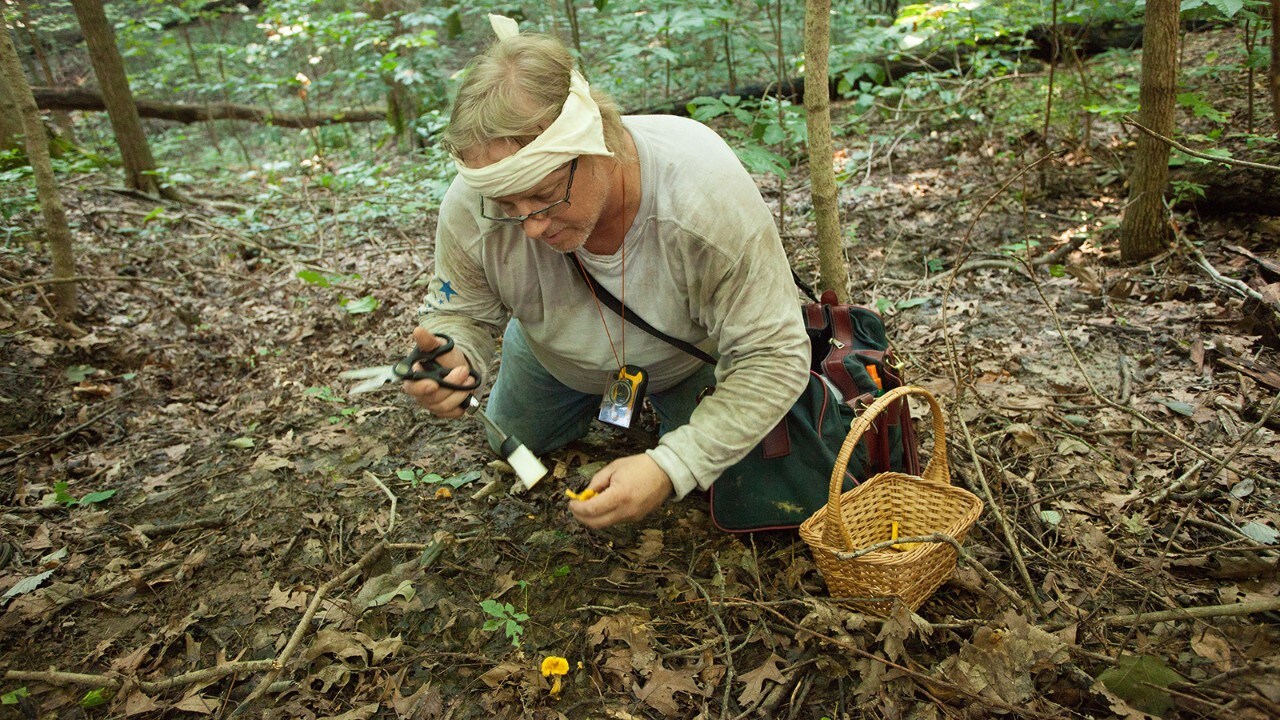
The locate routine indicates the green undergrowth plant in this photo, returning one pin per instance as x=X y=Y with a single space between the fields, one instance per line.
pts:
x=505 y=617
x=768 y=135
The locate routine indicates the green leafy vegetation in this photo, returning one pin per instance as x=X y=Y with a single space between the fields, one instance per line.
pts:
x=13 y=696
x=504 y=616
x=1141 y=680
x=62 y=496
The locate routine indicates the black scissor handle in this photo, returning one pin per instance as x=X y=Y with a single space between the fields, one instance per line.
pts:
x=431 y=368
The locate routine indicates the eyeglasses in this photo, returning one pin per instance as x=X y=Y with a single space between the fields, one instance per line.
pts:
x=536 y=214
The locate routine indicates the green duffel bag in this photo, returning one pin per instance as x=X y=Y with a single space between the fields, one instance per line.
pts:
x=784 y=479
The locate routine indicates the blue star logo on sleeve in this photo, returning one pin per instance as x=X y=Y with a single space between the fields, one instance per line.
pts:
x=446 y=289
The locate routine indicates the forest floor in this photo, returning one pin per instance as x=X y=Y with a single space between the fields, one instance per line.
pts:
x=1111 y=416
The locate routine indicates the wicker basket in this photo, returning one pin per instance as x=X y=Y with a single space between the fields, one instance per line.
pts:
x=865 y=515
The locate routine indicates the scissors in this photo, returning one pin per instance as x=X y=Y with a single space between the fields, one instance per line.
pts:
x=430 y=368
x=423 y=365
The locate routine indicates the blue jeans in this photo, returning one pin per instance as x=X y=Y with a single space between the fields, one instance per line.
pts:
x=545 y=414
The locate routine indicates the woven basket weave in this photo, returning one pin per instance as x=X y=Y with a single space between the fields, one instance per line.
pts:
x=864 y=516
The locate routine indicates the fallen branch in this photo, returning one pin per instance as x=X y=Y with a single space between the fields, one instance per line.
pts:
x=1194 y=613
x=728 y=646
x=273 y=667
x=82 y=278
x=54 y=677
x=1234 y=285
x=961 y=556
x=67 y=433
x=154 y=531
x=49 y=98
x=953 y=364
x=1195 y=153
x=277 y=665
x=1269 y=265
x=1164 y=492
x=129 y=579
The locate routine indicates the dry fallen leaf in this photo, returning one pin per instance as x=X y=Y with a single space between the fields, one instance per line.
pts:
x=198 y=704
x=627 y=628
x=278 y=598
x=754 y=680
x=663 y=684
x=650 y=546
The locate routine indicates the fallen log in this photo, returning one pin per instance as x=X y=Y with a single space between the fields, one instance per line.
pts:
x=1087 y=40
x=1230 y=190
x=49 y=98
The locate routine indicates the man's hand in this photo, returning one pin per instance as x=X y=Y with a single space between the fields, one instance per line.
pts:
x=440 y=401
x=628 y=489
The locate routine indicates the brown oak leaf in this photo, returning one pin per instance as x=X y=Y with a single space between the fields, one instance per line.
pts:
x=663 y=684
x=754 y=680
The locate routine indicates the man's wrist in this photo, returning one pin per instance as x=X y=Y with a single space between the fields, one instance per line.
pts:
x=681 y=480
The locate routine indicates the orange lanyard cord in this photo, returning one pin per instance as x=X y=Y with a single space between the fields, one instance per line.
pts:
x=623 y=359
x=600 y=310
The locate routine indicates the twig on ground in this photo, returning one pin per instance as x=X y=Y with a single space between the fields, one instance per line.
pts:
x=129 y=579
x=1011 y=539
x=1194 y=613
x=1234 y=285
x=114 y=682
x=1126 y=380
x=961 y=556
x=1196 y=153
x=154 y=531
x=1207 y=480
x=1270 y=265
x=953 y=362
x=391 y=522
x=278 y=664
x=83 y=278
x=728 y=647
x=1182 y=479
x=55 y=677
x=1258 y=667
x=1059 y=254
x=68 y=433
x=1229 y=531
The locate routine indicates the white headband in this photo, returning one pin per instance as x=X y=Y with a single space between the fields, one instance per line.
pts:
x=578 y=131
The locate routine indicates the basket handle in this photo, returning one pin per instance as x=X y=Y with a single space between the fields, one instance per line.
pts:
x=834 y=532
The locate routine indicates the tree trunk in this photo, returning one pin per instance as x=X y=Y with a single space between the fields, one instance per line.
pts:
x=60 y=118
x=10 y=118
x=832 y=268
x=139 y=165
x=1275 y=63
x=1145 y=229
x=13 y=84
x=402 y=101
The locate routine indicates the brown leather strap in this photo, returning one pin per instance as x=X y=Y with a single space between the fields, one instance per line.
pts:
x=777 y=443
x=815 y=317
x=841 y=346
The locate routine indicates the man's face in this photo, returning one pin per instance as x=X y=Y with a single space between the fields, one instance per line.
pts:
x=567 y=226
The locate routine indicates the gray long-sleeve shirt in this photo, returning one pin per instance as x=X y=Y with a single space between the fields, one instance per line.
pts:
x=704 y=263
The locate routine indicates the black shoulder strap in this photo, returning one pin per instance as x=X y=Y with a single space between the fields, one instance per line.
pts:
x=808 y=291
x=613 y=304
